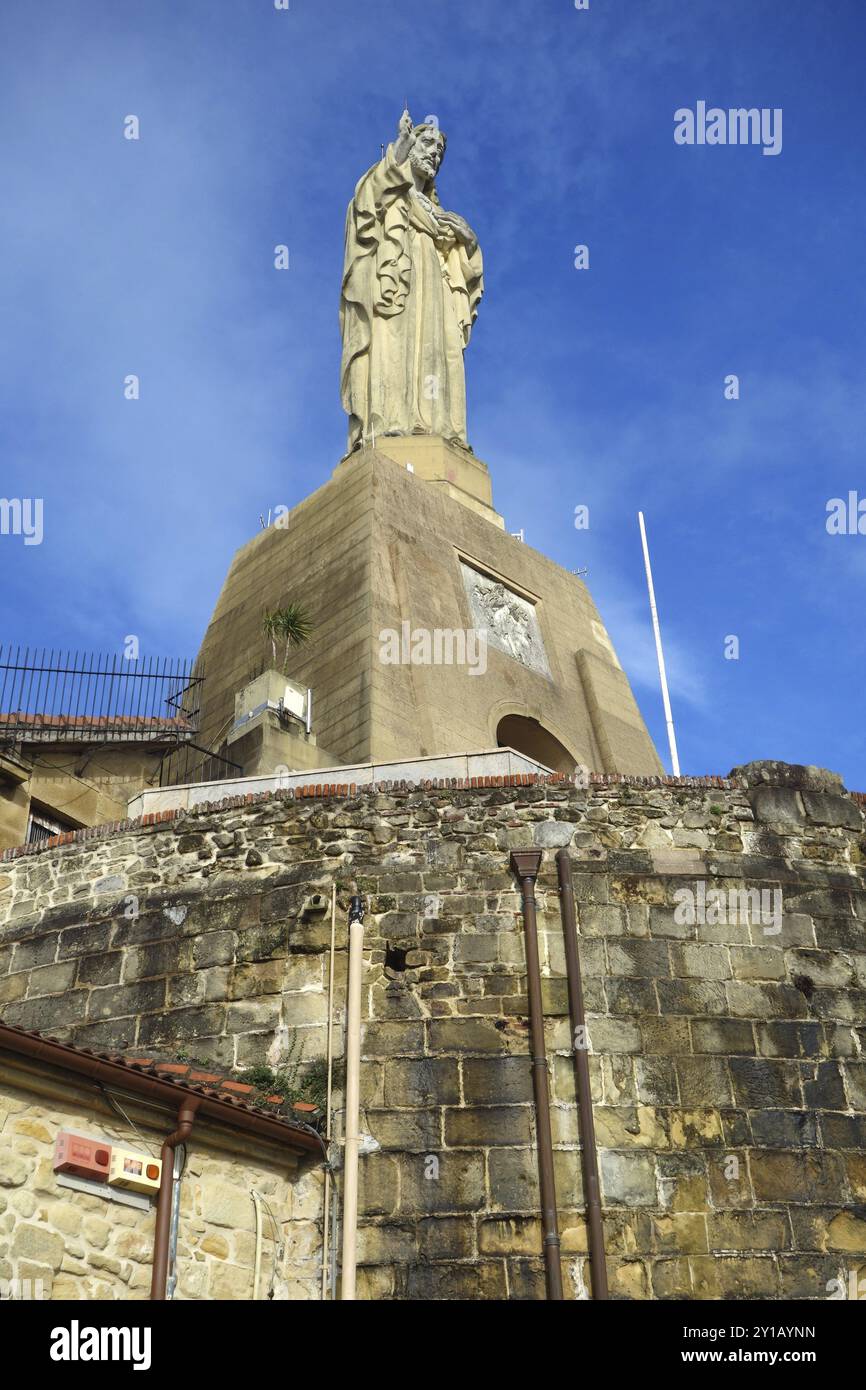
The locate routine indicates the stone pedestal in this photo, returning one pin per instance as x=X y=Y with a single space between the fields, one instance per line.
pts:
x=397 y=569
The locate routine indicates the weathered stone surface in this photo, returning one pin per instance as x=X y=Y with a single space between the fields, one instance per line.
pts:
x=731 y=1124
x=775 y=774
x=628 y=1179
x=553 y=834
x=39 y=1244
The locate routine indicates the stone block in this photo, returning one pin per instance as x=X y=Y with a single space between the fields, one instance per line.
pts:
x=463 y=1283
x=704 y=1081
x=672 y=1279
x=453 y=1183
x=31 y=1242
x=214 y=948
x=101 y=969
x=394 y=1039
x=118 y=1001
x=828 y=809
x=855 y=1081
x=638 y=957
x=51 y=979
x=798 y=1178
x=779 y=1039
x=40 y=950
x=605 y=920
x=613 y=1035
x=627 y=1179
x=223 y=1204
x=446 y=1237
x=553 y=834
x=765 y=1001
x=760 y=1083
x=496 y=1080
x=421 y=1081
x=412 y=1131
x=656 y=1079
x=692 y=997
x=682 y=1233
x=784 y=1129
x=387 y=1244
x=822 y=1086
x=777 y=806
x=624 y=1127
x=484 y=1125
x=465 y=1035
x=746 y=1230
x=663 y=923
x=182 y=1025
x=13 y=1169
x=757 y=963
x=700 y=960
x=735 y=1277
x=807 y=1276
x=666 y=1036
x=513 y=1180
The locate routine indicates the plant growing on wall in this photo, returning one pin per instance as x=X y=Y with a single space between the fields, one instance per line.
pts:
x=294 y=1080
x=290 y=625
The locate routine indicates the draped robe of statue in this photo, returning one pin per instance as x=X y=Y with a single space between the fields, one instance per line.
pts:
x=410 y=297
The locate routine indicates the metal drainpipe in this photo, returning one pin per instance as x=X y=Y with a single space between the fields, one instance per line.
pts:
x=525 y=864
x=179 y=1164
x=185 y=1117
x=353 y=1093
x=580 y=1052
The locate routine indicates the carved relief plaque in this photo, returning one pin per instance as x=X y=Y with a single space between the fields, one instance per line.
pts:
x=511 y=620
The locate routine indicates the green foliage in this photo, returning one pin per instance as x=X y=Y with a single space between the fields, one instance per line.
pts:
x=291 y=625
x=293 y=1080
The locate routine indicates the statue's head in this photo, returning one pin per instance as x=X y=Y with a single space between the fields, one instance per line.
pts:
x=427 y=151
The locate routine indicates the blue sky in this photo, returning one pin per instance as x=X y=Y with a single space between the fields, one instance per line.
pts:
x=602 y=387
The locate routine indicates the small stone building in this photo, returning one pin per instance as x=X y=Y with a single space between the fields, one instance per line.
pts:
x=66 y=1238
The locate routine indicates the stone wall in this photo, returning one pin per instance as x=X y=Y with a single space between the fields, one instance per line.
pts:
x=728 y=1059
x=82 y=1246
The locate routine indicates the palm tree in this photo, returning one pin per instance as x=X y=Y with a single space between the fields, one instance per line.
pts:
x=290 y=624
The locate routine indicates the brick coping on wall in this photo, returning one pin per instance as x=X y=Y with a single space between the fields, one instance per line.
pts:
x=346 y=790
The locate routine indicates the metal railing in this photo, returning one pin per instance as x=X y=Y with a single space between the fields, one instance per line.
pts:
x=50 y=695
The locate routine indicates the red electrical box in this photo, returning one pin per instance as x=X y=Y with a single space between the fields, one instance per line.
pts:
x=84 y=1158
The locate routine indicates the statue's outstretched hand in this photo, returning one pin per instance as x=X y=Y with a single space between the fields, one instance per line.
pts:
x=404 y=138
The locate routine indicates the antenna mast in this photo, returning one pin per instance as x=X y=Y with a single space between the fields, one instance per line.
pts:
x=669 y=720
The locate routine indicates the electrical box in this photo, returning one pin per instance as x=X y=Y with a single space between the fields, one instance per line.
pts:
x=137 y=1172
x=83 y=1158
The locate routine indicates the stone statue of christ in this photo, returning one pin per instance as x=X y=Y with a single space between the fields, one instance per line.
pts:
x=412 y=281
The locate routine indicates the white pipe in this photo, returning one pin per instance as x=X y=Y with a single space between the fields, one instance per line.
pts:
x=669 y=720
x=353 y=1099
x=325 y=1226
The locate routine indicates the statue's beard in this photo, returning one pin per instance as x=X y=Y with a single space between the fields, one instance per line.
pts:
x=425 y=170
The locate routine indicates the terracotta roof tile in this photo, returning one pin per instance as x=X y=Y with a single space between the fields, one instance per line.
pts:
x=187 y=1077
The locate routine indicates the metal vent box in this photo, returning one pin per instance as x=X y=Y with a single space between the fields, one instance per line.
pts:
x=84 y=1158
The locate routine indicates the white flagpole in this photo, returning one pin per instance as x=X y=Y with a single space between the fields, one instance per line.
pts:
x=675 y=762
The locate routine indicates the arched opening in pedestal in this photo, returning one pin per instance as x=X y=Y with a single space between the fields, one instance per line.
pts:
x=531 y=738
